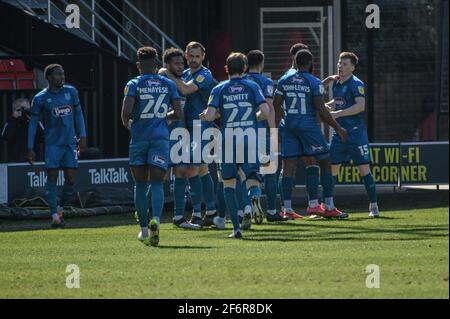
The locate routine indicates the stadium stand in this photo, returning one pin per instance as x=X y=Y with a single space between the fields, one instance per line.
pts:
x=15 y=76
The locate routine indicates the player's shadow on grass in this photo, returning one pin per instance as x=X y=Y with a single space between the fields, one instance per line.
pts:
x=184 y=247
x=313 y=233
x=71 y=223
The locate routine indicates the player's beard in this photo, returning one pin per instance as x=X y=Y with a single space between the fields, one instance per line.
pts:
x=58 y=84
x=194 y=65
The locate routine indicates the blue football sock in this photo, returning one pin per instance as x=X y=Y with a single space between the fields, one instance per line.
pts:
x=221 y=205
x=240 y=193
x=179 y=198
x=246 y=199
x=140 y=202
x=149 y=198
x=196 y=193
x=67 y=193
x=50 y=195
x=312 y=182
x=232 y=206
x=287 y=182
x=270 y=184
x=280 y=188
x=327 y=181
x=371 y=188
x=157 y=191
x=208 y=191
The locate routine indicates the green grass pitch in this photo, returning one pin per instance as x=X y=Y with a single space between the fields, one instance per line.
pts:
x=301 y=259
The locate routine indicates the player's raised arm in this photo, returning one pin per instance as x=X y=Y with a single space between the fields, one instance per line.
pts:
x=356 y=108
x=184 y=88
x=329 y=80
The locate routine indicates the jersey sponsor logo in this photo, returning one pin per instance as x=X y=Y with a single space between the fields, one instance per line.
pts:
x=317 y=148
x=200 y=78
x=159 y=159
x=361 y=89
x=339 y=102
x=298 y=80
x=61 y=111
x=236 y=89
x=153 y=82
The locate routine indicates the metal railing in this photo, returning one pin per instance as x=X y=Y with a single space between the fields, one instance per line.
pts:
x=123 y=35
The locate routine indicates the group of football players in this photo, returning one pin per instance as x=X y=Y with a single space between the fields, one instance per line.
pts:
x=160 y=104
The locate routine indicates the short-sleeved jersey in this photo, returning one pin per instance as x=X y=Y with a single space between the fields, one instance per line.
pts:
x=298 y=90
x=57 y=109
x=197 y=102
x=344 y=95
x=153 y=95
x=238 y=101
x=266 y=85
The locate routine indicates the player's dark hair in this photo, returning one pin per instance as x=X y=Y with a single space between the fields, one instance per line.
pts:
x=171 y=53
x=255 y=58
x=236 y=63
x=50 y=68
x=297 y=47
x=349 y=55
x=147 y=54
x=303 y=58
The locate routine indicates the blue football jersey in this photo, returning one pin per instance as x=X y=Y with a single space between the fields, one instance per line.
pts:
x=298 y=90
x=266 y=85
x=238 y=101
x=344 y=94
x=60 y=110
x=197 y=102
x=153 y=95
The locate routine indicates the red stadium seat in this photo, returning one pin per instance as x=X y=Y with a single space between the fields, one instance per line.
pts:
x=7 y=81
x=15 y=65
x=15 y=76
x=25 y=81
x=3 y=66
